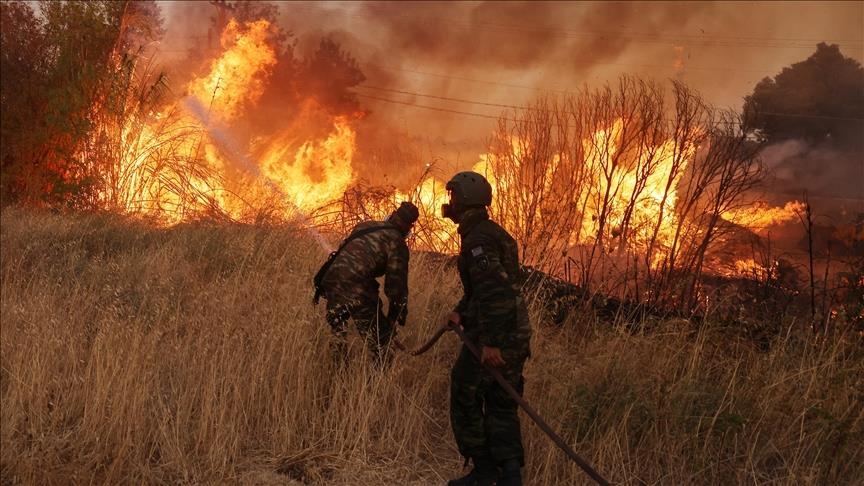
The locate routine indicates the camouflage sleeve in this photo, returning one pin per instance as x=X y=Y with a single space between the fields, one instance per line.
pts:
x=462 y=305
x=396 y=282
x=495 y=297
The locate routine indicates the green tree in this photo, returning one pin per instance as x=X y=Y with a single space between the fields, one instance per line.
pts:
x=58 y=71
x=23 y=68
x=820 y=100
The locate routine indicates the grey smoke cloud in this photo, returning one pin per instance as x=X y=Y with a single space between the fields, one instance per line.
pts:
x=512 y=52
x=524 y=35
x=721 y=48
x=795 y=166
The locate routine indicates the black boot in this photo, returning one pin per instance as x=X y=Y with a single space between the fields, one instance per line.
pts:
x=484 y=473
x=511 y=473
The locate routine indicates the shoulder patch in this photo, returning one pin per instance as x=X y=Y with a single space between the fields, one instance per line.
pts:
x=476 y=251
x=483 y=263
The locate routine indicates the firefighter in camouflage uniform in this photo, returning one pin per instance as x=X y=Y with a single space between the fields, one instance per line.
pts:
x=494 y=315
x=373 y=249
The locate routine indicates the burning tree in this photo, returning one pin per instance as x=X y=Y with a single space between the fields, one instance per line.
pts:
x=610 y=182
x=124 y=141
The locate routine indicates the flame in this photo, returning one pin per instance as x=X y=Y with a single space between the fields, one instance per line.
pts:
x=317 y=172
x=435 y=233
x=200 y=166
x=237 y=78
x=186 y=161
x=644 y=198
x=651 y=200
x=748 y=267
x=761 y=216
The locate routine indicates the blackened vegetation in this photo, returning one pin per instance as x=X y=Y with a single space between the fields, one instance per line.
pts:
x=759 y=310
x=563 y=300
x=754 y=309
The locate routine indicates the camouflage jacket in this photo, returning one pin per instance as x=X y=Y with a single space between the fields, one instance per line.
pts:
x=492 y=308
x=351 y=278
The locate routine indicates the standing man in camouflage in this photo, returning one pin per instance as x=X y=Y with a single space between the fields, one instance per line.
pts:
x=373 y=249
x=494 y=315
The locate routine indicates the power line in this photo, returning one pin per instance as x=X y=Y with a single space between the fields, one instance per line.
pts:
x=800 y=115
x=531 y=108
x=461 y=78
x=543 y=89
x=435 y=108
x=491 y=117
x=457 y=100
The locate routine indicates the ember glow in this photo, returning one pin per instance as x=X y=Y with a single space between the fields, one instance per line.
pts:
x=748 y=267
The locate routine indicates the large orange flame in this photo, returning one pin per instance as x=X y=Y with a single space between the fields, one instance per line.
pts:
x=760 y=216
x=317 y=172
x=185 y=161
x=205 y=169
x=237 y=78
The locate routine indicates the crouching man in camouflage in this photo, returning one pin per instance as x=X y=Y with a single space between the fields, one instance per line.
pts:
x=373 y=249
x=493 y=314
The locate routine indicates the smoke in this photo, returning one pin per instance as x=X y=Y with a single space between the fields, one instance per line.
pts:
x=834 y=176
x=568 y=42
x=521 y=35
x=442 y=35
x=431 y=55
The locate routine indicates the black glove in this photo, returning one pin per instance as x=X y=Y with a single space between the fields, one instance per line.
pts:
x=398 y=312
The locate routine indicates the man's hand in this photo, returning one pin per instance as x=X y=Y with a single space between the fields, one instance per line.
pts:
x=492 y=356
x=453 y=319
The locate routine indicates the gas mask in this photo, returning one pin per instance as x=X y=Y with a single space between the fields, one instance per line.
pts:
x=448 y=212
x=451 y=210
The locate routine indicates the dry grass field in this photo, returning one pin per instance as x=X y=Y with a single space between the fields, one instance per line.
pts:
x=132 y=354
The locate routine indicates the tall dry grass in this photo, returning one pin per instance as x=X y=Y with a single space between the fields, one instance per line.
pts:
x=132 y=354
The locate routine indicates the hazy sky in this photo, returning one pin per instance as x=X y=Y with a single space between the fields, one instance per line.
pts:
x=508 y=52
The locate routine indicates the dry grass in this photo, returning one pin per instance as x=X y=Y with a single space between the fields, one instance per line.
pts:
x=192 y=355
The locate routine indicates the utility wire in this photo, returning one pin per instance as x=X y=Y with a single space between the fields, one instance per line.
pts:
x=540 y=89
x=435 y=108
x=656 y=67
x=457 y=100
x=491 y=117
x=460 y=78
x=531 y=108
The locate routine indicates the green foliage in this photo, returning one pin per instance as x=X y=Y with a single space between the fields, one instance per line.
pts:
x=820 y=99
x=58 y=71
x=23 y=68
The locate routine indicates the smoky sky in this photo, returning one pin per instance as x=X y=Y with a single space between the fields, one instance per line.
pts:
x=521 y=35
x=499 y=51
x=438 y=71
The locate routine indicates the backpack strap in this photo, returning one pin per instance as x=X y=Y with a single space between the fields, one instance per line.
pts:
x=365 y=231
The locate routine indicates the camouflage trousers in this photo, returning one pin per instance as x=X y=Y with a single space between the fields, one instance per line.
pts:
x=484 y=417
x=372 y=325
